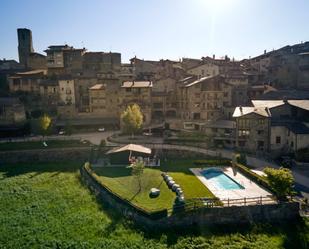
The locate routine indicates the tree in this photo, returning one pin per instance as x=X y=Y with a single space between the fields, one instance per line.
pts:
x=45 y=122
x=281 y=180
x=132 y=119
x=137 y=171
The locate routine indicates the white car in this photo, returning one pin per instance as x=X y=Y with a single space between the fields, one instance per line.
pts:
x=101 y=129
x=61 y=132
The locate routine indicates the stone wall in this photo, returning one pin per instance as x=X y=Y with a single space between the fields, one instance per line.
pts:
x=206 y=216
x=80 y=155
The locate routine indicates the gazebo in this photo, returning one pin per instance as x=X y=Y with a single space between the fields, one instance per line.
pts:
x=129 y=153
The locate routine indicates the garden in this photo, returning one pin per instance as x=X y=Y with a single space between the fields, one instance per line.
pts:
x=47 y=206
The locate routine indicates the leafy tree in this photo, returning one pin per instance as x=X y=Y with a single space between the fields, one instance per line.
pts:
x=281 y=180
x=45 y=123
x=137 y=171
x=132 y=119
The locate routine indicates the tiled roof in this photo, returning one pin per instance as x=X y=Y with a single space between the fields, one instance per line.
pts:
x=267 y=103
x=136 y=84
x=97 y=87
x=242 y=111
x=303 y=104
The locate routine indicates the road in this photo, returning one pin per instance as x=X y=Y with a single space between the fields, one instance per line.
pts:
x=301 y=175
x=93 y=137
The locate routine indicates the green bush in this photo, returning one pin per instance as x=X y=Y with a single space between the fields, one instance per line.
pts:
x=281 y=180
x=253 y=176
x=241 y=158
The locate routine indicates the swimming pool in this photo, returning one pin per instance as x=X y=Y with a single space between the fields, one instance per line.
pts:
x=220 y=180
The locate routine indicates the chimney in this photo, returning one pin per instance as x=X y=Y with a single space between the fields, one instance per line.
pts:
x=285 y=100
x=264 y=51
x=240 y=108
x=214 y=56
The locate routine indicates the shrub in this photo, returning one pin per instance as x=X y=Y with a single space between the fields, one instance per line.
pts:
x=253 y=176
x=281 y=180
x=241 y=158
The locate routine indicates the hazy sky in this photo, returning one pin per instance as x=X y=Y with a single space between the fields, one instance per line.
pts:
x=155 y=29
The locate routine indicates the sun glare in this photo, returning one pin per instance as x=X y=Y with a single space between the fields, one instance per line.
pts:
x=217 y=5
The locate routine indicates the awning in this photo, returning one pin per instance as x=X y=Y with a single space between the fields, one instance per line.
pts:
x=131 y=147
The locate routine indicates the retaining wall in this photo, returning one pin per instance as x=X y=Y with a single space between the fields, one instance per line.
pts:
x=206 y=216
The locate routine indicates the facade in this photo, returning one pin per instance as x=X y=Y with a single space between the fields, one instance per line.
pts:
x=97 y=97
x=26 y=81
x=12 y=112
x=137 y=92
x=49 y=92
x=286 y=130
x=252 y=129
x=67 y=92
x=202 y=99
x=204 y=70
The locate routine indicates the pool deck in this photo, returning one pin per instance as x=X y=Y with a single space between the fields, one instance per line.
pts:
x=251 y=189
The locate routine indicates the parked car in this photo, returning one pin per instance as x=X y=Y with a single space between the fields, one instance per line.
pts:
x=101 y=129
x=61 y=132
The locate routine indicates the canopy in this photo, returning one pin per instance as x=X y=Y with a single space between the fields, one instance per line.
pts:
x=130 y=147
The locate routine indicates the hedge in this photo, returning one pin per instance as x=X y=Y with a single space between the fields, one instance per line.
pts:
x=253 y=176
x=144 y=212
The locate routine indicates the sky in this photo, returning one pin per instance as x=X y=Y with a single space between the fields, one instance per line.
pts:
x=157 y=29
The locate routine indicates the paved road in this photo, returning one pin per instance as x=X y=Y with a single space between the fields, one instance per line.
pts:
x=301 y=175
x=93 y=137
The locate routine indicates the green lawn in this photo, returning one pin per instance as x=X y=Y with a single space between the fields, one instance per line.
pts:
x=120 y=181
x=46 y=206
x=30 y=145
x=191 y=185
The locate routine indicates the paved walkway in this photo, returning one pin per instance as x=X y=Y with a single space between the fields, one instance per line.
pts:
x=250 y=190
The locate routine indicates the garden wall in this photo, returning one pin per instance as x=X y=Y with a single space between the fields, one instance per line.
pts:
x=79 y=154
x=205 y=216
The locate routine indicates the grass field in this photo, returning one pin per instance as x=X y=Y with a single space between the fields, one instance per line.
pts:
x=30 y=145
x=120 y=181
x=46 y=206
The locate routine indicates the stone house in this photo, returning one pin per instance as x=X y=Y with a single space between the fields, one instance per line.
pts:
x=204 y=69
x=12 y=112
x=137 y=92
x=202 y=99
x=26 y=81
x=286 y=130
x=49 y=92
x=97 y=99
x=66 y=91
x=252 y=129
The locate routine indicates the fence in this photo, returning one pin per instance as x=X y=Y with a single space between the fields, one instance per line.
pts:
x=200 y=203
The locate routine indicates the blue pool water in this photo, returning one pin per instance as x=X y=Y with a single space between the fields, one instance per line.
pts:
x=221 y=180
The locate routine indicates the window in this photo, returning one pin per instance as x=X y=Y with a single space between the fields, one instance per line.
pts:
x=260 y=132
x=278 y=140
x=260 y=144
x=128 y=89
x=243 y=133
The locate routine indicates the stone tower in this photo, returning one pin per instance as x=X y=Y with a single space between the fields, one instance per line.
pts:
x=25 y=47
